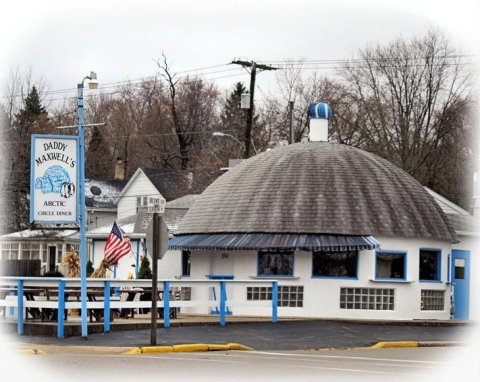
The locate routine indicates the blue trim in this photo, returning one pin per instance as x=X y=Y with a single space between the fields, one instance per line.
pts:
x=461 y=287
x=223 y=298
x=438 y=278
x=32 y=178
x=337 y=277
x=275 y=301
x=220 y=277
x=276 y=253
x=391 y=252
x=106 y=306
x=166 y=304
x=20 y=306
x=61 y=309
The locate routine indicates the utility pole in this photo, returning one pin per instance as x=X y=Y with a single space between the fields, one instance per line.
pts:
x=292 y=133
x=156 y=245
x=253 y=73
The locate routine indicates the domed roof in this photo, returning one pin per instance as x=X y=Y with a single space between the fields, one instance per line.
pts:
x=317 y=188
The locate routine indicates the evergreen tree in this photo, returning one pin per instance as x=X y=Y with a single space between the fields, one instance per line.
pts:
x=233 y=117
x=31 y=118
x=98 y=157
x=145 y=272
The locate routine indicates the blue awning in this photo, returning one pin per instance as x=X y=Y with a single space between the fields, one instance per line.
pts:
x=272 y=241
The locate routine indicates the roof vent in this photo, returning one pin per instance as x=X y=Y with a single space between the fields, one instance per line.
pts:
x=319 y=113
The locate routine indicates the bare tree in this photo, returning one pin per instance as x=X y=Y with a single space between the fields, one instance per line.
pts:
x=409 y=96
x=192 y=104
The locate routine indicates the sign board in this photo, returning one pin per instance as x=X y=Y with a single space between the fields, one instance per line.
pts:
x=54 y=179
x=162 y=235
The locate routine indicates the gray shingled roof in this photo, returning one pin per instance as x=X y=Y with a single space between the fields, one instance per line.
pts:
x=109 y=188
x=321 y=188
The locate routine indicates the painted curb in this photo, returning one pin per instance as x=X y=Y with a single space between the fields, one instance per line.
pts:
x=395 y=344
x=415 y=344
x=186 y=348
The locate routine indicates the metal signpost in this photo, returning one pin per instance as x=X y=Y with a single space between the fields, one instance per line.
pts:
x=81 y=209
x=157 y=245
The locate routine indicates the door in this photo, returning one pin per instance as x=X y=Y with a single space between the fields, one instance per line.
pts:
x=461 y=283
x=52 y=254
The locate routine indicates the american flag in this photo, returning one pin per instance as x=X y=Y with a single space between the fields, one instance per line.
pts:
x=117 y=245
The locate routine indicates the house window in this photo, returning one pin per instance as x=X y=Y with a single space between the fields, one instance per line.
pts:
x=30 y=251
x=288 y=295
x=186 y=260
x=275 y=263
x=10 y=251
x=432 y=300
x=391 y=265
x=367 y=298
x=335 y=264
x=429 y=267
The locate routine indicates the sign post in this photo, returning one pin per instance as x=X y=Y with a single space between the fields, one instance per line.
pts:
x=157 y=245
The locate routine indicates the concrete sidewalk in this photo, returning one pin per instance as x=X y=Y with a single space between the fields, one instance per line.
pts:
x=284 y=335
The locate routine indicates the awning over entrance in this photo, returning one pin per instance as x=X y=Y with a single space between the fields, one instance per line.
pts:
x=272 y=241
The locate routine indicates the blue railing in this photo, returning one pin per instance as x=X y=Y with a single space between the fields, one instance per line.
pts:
x=21 y=287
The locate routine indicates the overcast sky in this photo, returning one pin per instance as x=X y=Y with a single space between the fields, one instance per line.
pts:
x=121 y=39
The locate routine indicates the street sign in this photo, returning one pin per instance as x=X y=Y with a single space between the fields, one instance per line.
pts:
x=54 y=179
x=162 y=234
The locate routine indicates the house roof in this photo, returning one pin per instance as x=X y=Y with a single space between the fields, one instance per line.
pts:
x=171 y=184
x=186 y=201
x=465 y=224
x=317 y=188
x=103 y=193
x=41 y=234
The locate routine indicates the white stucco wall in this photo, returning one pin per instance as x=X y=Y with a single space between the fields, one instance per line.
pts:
x=322 y=296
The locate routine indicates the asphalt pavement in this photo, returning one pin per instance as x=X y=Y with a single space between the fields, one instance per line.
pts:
x=287 y=335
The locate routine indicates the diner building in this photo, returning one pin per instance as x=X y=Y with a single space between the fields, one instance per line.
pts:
x=346 y=233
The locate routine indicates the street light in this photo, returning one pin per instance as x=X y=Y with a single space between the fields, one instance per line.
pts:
x=92 y=84
x=219 y=134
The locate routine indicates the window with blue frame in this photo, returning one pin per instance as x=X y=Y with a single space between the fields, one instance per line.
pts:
x=335 y=264
x=430 y=265
x=391 y=265
x=275 y=263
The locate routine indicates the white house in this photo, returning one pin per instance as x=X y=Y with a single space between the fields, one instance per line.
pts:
x=147 y=191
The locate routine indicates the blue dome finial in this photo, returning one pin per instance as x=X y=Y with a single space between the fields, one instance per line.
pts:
x=319 y=110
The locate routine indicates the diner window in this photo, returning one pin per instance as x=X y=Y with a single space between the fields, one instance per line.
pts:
x=288 y=295
x=335 y=264
x=367 y=298
x=186 y=260
x=429 y=267
x=391 y=265
x=275 y=263
x=432 y=300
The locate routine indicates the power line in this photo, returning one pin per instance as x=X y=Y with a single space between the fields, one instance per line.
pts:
x=300 y=63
